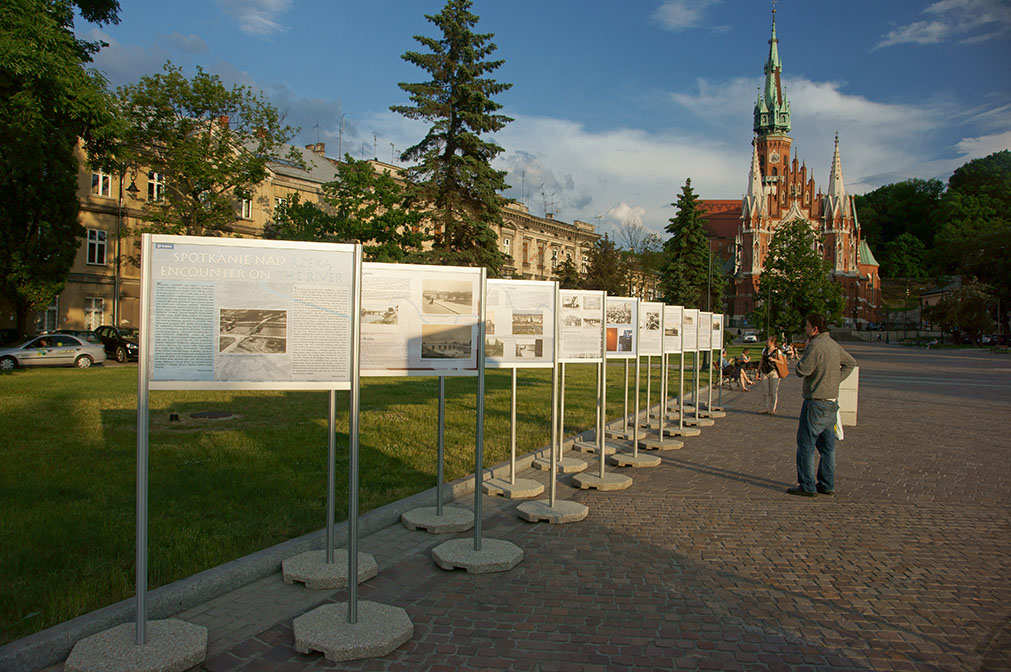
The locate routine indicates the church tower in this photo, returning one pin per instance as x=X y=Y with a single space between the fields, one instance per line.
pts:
x=780 y=190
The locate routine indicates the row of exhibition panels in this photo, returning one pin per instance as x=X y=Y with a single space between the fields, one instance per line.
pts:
x=255 y=314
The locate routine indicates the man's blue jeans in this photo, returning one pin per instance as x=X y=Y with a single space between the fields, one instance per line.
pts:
x=816 y=430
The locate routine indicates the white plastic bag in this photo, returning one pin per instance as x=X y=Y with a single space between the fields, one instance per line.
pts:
x=839 y=434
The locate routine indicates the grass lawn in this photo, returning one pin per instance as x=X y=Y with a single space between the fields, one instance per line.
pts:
x=221 y=489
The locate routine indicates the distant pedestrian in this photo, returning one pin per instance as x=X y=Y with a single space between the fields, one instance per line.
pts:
x=772 y=358
x=824 y=365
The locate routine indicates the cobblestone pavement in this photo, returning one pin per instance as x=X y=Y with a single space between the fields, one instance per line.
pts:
x=705 y=562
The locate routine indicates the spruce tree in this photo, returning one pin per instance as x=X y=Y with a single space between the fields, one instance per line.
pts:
x=452 y=172
x=690 y=275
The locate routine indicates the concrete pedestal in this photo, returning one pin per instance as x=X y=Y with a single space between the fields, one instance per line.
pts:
x=638 y=461
x=427 y=519
x=171 y=646
x=591 y=447
x=699 y=422
x=566 y=465
x=654 y=443
x=522 y=488
x=611 y=481
x=379 y=629
x=563 y=511
x=311 y=568
x=623 y=434
x=712 y=414
x=495 y=555
x=682 y=431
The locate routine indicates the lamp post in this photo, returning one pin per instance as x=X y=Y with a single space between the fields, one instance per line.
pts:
x=132 y=190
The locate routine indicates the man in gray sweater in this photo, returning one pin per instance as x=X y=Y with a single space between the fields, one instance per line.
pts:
x=823 y=366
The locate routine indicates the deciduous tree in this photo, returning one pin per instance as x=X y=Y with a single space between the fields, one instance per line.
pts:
x=606 y=268
x=48 y=103
x=796 y=281
x=452 y=173
x=361 y=205
x=210 y=143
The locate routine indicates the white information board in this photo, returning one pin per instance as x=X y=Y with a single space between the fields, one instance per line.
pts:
x=581 y=334
x=672 y=329
x=650 y=328
x=237 y=313
x=622 y=321
x=690 y=330
x=717 y=332
x=705 y=331
x=520 y=324
x=419 y=320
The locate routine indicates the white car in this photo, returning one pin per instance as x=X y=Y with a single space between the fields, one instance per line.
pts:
x=52 y=350
x=750 y=338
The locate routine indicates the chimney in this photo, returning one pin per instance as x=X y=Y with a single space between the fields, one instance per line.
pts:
x=317 y=148
x=549 y=215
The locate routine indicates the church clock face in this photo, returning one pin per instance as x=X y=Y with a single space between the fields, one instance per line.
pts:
x=774 y=158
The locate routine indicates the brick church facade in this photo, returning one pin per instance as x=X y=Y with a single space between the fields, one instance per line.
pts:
x=780 y=190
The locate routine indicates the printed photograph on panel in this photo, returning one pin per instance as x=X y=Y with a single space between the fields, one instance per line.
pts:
x=447 y=297
x=489 y=323
x=570 y=302
x=619 y=313
x=573 y=321
x=670 y=330
x=252 y=331
x=494 y=347
x=652 y=321
x=591 y=303
x=380 y=313
x=612 y=339
x=591 y=322
x=530 y=349
x=689 y=320
x=445 y=341
x=528 y=322
x=625 y=340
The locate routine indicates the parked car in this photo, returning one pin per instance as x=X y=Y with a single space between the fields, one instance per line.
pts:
x=751 y=337
x=120 y=344
x=51 y=350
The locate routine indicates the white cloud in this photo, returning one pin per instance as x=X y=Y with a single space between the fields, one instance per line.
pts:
x=623 y=212
x=960 y=20
x=678 y=15
x=976 y=148
x=193 y=44
x=260 y=18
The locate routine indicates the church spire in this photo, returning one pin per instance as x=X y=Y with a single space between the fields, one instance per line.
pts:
x=835 y=177
x=754 y=200
x=772 y=111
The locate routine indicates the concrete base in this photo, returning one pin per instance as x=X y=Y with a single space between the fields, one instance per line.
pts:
x=630 y=460
x=495 y=555
x=623 y=434
x=379 y=629
x=171 y=646
x=311 y=568
x=563 y=511
x=610 y=481
x=682 y=431
x=654 y=443
x=566 y=465
x=523 y=487
x=591 y=447
x=699 y=422
x=427 y=519
x=712 y=414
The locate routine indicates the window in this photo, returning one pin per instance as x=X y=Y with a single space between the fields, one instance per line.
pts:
x=506 y=244
x=47 y=320
x=94 y=312
x=101 y=184
x=278 y=202
x=525 y=246
x=96 y=247
x=155 y=186
x=554 y=258
x=247 y=208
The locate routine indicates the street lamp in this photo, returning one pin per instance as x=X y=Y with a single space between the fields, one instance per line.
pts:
x=132 y=190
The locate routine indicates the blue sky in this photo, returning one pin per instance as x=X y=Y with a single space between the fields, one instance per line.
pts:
x=617 y=102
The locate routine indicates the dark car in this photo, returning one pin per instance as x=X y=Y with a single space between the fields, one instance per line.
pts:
x=120 y=344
